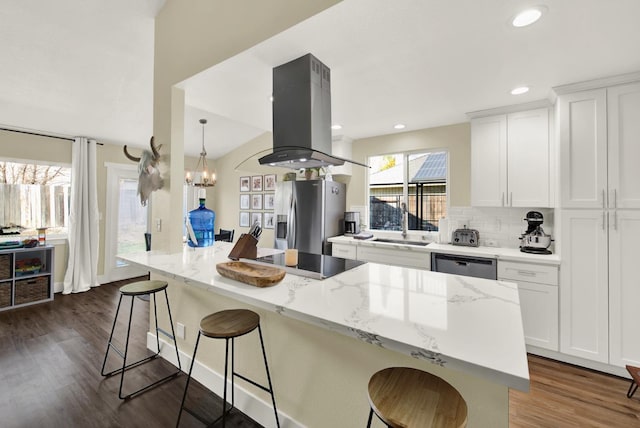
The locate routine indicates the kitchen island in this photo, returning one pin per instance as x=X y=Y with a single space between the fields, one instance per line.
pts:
x=325 y=338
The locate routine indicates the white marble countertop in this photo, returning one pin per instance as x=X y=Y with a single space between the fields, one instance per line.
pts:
x=511 y=254
x=468 y=324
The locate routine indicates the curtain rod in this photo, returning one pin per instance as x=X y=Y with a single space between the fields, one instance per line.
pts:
x=42 y=135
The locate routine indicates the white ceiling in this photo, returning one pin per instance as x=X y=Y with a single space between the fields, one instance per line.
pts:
x=78 y=67
x=85 y=67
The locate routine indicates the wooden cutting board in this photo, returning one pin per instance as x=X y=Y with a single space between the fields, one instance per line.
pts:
x=249 y=273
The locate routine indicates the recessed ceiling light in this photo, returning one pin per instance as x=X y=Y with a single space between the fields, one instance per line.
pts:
x=527 y=17
x=520 y=90
x=336 y=126
x=398 y=126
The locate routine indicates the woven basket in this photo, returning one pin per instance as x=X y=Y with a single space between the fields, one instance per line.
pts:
x=5 y=294
x=32 y=290
x=5 y=266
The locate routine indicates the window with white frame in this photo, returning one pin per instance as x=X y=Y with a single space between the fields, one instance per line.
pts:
x=34 y=194
x=418 y=179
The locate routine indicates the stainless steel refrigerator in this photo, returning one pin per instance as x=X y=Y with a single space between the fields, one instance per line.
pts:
x=308 y=213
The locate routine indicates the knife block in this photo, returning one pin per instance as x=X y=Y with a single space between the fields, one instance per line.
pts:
x=245 y=248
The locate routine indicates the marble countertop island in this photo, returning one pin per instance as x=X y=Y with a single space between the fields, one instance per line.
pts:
x=468 y=324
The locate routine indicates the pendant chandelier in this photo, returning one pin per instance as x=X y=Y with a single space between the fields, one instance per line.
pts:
x=202 y=177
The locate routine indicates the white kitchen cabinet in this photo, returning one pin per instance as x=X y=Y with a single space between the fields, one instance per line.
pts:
x=489 y=161
x=344 y=251
x=599 y=132
x=510 y=160
x=582 y=122
x=538 y=290
x=624 y=287
x=395 y=256
x=599 y=150
x=623 y=124
x=584 y=290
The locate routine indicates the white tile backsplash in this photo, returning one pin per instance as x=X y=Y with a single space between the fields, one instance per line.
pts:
x=503 y=225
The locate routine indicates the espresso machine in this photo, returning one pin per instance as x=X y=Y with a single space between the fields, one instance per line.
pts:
x=351 y=223
x=534 y=240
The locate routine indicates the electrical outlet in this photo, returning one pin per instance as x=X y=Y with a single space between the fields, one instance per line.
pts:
x=180 y=330
x=491 y=243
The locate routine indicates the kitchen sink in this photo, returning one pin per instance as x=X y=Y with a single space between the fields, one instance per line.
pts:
x=403 y=242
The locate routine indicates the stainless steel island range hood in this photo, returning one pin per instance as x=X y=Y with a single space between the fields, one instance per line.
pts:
x=302 y=116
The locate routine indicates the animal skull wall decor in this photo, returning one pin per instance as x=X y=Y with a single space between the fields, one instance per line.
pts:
x=149 y=179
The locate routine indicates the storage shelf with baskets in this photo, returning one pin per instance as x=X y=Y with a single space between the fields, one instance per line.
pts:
x=26 y=276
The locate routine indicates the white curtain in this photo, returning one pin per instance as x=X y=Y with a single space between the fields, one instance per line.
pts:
x=82 y=268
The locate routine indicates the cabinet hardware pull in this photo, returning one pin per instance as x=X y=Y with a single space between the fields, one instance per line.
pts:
x=526 y=273
x=615 y=198
x=603 y=220
x=603 y=199
x=615 y=220
x=502 y=200
x=511 y=199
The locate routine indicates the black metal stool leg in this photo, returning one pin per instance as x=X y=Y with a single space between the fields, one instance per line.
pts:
x=226 y=367
x=184 y=396
x=173 y=333
x=126 y=350
x=370 y=417
x=113 y=327
x=266 y=366
x=632 y=389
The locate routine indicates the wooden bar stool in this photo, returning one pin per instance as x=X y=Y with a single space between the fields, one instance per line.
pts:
x=406 y=397
x=138 y=289
x=228 y=325
x=635 y=379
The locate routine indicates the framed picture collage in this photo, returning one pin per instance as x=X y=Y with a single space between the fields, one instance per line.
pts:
x=257 y=200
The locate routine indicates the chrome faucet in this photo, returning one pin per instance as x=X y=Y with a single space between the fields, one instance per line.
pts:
x=405 y=219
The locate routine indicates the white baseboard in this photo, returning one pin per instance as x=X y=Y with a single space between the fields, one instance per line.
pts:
x=252 y=406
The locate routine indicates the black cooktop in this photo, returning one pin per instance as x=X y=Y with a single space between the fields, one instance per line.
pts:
x=312 y=265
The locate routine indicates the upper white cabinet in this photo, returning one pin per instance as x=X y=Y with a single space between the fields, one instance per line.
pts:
x=623 y=124
x=489 y=161
x=510 y=160
x=599 y=132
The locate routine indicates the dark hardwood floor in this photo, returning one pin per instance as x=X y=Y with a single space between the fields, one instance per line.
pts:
x=51 y=355
x=563 y=395
x=50 y=360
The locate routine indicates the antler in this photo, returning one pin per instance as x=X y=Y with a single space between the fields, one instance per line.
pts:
x=133 y=158
x=154 y=149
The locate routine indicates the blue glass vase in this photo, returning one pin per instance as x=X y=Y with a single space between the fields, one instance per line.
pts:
x=202 y=221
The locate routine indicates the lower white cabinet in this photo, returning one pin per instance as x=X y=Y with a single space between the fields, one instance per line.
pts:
x=584 y=291
x=600 y=286
x=344 y=251
x=538 y=290
x=396 y=257
x=388 y=255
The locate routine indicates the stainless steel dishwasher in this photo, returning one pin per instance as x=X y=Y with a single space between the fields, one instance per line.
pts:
x=479 y=267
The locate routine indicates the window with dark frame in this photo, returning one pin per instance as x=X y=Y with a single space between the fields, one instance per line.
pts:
x=422 y=175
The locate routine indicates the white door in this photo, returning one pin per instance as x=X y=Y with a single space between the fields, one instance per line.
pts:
x=623 y=107
x=624 y=287
x=489 y=161
x=582 y=121
x=528 y=158
x=126 y=221
x=584 y=309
